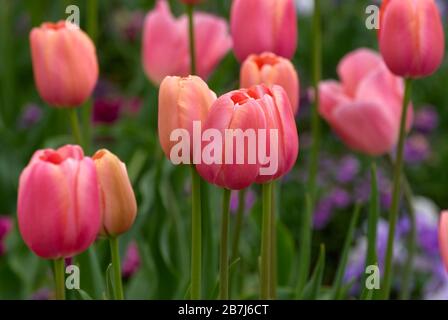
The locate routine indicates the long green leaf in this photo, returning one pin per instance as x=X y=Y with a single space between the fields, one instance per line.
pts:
x=304 y=246
x=337 y=285
x=312 y=289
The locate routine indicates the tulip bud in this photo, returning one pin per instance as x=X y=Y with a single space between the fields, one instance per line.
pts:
x=64 y=63
x=118 y=204
x=58 y=204
x=182 y=101
x=242 y=115
x=411 y=37
x=364 y=109
x=443 y=238
x=270 y=69
x=258 y=26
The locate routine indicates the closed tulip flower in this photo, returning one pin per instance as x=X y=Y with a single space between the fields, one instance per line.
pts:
x=443 y=238
x=255 y=109
x=182 y=101
x=166 y=43
x=64 y=63
x=258 y=26
x=58 y=203
x=411 y=37
x=270 y=69
x=364 y=108
x=118 y=204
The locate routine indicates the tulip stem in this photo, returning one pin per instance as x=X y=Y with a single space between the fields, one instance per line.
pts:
x=224 y=252
x=238 y=224
x=116 y=267
x=76 y=131
x=59 y=278
x=196 y=236
x=398 y=167
x=190 y=9
x=315 y=119
x=265 y=267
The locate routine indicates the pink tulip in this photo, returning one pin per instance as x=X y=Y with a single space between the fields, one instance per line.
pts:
x=443 y=237
x=256 y=108
x=182 y=101
x=411 y=37
x=269 y=69
x=166 y=43
x=364 y=109
x=58 y=204
x=258 y=26
x=64 y=63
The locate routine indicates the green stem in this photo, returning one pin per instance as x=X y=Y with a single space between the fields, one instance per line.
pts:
x=224 y=257
x=396 y=191
x=92 y=19
x=196 y=236
x=238 y=224
x=190 y=9
x=304 y=246
x=59 y=278
x=315 y=119
x=76 y=131
x=266 y=242
x=273 y=224
x=115 y=254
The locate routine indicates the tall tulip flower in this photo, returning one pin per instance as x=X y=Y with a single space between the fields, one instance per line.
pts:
x=64 y=63
x=181 y=102
x=59 y=206
x=165 y=43
x=270 y=69
x=411 y=37
x=443 y=237
x=364 y=109
x=263 y=25
x=256 y=108
x=118 y=206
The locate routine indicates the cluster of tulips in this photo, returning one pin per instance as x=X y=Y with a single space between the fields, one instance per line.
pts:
x=66 y=199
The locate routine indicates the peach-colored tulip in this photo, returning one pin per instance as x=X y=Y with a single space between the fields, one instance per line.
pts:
x=269 y=69
x=364 y=109
x=118 y=204
x=411 y=37
x=182 y=101
x=64 y=63
x=166 y=44
x=443 y=237
x=58 y=205
x=255 y=108
x=258 y=26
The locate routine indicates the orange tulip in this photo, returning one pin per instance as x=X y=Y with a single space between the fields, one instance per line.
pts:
x=411 y=37
x=182 y=101
x=443 y=237
x=64 y=63
x=270 y=69
x=117 y=199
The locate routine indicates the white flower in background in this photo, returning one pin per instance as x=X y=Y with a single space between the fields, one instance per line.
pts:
x=427 y=210
x=305 y=7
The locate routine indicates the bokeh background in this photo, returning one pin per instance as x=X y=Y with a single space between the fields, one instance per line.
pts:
x=124 y=119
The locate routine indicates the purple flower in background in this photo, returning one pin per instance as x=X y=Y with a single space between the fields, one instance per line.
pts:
x=348 y=169
x=31 y=115
x=129 y=24
x=5 y=228
x=337 y=199
x=416 y=149
x=42 y=294
x=106 y=110
x=131 y=262
x=249 y=200
x=426 y=120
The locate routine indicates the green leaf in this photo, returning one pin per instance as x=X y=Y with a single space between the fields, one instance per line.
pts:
x=285 y=254
x=374 y=213
x=91 y=280
x=83 y=295
x=304 y=246
x=109 y=293
x=337 y=285
x=312 y=289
